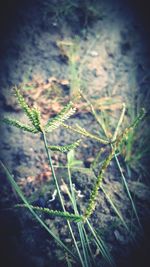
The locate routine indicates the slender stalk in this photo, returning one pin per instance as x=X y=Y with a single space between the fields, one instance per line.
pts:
x=83 y=242
x=118 y=163
x=100 y=244
x=115 y=209
x=141 y=115
x=72 y=191
x=76 y=212
x=95 y=162
x=99 y=121
x=59 y=194
x=88 y=245
x=119 y=122
x=23 y=198
x=52 y=169
x=127 y=189
x=86 y=133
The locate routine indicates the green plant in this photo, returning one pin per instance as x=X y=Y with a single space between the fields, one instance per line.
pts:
x=135 y=149
x=82 y=221
x=129 y=133
x=132 y=148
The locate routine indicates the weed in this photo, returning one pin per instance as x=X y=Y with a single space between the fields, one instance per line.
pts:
x=136 y=149
x=85 y=255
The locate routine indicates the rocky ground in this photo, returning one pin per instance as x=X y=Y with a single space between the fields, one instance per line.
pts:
x=112 y=58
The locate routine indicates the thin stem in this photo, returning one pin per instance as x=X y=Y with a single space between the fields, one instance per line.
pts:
x=115 y=209
x=99 y=121
x=59 y=194
x=113 y=139
x=52 y=169
x=86 y=133
x=23 y=198
x=119 y=122
x=88 y=244
x=72 y=191
x=127 y=189
x=73 y=199
x=119 y=166
x=100 y=244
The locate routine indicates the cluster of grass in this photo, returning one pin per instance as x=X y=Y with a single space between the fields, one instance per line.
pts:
x=122 y=140
x=79 y=224
x=135 y=150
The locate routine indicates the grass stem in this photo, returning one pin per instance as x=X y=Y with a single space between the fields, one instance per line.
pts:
x=59 y=194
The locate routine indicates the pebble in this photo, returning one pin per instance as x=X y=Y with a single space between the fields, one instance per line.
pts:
x=93 y=53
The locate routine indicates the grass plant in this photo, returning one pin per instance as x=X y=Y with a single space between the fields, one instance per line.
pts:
x=83 y=253
x=135 y=149
x=128 y=132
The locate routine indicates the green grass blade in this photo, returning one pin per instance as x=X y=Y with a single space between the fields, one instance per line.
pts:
x=73 y=200
x=100 y=244
x=84 y=244
x=88 y=246
x=22 y=197
x=127 y=189
x=119 y=122
x=115 y=209
x=59 y=194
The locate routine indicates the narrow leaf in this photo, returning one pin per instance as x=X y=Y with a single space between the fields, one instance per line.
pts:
x=21 y=195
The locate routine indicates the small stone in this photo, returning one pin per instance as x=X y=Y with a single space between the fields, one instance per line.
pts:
x=93 y=53
x=68 y=240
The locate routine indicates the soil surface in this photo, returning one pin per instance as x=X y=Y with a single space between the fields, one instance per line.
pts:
x=109 y=47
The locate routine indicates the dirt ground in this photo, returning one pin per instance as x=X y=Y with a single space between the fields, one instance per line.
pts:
x=112 y=56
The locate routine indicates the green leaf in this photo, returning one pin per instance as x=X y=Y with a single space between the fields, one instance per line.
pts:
x=71 y=159
x=23 y=198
